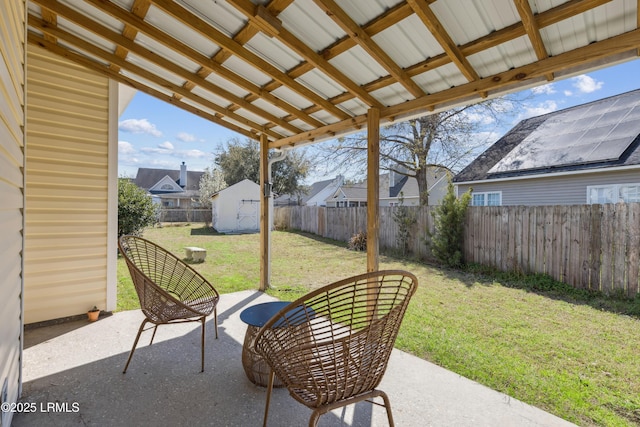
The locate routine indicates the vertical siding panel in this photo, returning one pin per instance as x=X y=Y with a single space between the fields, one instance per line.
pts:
x=67 y=189
x=12 y=148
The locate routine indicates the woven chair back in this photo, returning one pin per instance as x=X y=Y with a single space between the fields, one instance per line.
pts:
x=335 y=342
x=167 y=287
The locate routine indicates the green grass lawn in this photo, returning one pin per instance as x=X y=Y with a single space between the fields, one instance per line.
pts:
x=572 y=354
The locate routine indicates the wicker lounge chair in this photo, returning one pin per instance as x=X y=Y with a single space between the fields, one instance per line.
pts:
x=330 y=348
x=169 y=290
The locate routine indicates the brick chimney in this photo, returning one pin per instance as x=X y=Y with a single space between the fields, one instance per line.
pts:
x=183 y=176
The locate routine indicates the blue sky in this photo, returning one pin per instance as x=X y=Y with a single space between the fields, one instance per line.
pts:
x=155 y=134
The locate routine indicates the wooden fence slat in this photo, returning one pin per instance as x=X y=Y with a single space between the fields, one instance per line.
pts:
x=608 y=219
x=595 y=283
x=585 y=246
x=633 y=257
x=620 y=237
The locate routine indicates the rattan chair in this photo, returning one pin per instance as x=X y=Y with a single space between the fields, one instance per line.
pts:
x=330 y=348
x=169 y=290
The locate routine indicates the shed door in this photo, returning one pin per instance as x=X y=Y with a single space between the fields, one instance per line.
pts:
x=247 y=218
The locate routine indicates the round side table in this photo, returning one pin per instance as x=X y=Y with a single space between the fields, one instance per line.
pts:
x=255 y=317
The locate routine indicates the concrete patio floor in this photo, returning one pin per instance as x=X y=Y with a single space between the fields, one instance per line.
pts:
x=78 y=365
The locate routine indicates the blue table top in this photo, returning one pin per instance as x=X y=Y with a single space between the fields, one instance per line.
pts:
x=259 y=314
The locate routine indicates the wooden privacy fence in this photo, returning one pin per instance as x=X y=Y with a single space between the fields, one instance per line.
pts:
x=184 y=215
x=593 y=247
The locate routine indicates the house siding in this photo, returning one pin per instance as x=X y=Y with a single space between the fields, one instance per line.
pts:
x=67 y=188
x=12 y=148
x=556 y=190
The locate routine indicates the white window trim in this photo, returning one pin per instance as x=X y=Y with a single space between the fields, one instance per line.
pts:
x=486 y=197
x=614 y=187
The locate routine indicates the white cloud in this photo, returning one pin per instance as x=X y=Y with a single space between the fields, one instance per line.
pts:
x=586 y=84
x=163 y=148
x=568 y=93
x=194 y=154
x=186 y=137
x=545 y=107
x=139 y=126
x=125 y=147
x=547 y=89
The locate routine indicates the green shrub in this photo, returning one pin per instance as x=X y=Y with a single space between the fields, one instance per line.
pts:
x=404 y=218
x=447 y=240
x=136 y=210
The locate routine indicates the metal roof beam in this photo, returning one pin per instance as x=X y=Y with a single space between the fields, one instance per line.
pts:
x=183 y=15
x=252 y=12
x=361 y=37
x=531 y=27
x=431 y=21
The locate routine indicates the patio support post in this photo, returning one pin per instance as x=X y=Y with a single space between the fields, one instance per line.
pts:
x=373 y=191
x=265 y=229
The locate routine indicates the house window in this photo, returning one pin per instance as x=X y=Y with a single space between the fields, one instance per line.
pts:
x=166 y=187
x=613 y=193
x=486 y=199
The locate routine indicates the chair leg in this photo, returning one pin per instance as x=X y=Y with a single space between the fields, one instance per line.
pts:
x=313 y=421
x=154 y=334
x=215 y=319
x=387 y=406
x=202 y=319
x=269 y=389
x=135 y=343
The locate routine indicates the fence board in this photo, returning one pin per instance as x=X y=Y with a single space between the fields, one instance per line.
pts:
x=608 y=219
x=633 y=256
x=585 y=245
x=620 y=234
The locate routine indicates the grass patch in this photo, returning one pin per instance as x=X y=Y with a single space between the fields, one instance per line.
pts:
x=570 y=352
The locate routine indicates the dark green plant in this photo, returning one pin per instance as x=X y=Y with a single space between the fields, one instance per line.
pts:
x=447 y=240
x=405 y=218
x=136 y=210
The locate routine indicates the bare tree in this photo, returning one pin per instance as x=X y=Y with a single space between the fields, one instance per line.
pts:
x=211 y=182
x=447 y=139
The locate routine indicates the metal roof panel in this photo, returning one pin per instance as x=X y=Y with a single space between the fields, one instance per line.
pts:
x=417 y=43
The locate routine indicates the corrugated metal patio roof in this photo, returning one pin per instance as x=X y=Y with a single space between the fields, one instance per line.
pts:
x=301 y=71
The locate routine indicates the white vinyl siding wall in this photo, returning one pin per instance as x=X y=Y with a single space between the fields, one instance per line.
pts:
x=67 y=199
x=12 y=123
x=565 y=189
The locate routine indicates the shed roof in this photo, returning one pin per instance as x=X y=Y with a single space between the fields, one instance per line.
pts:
x=301 y=71
x=596 y=135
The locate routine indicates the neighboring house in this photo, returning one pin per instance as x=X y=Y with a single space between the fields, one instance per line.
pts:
x=236 y=209
x=316 y=196
x=171 y=188
x=393 y=186
x=581 y=155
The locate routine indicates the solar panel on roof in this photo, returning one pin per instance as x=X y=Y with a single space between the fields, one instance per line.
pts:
x=596 y=132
